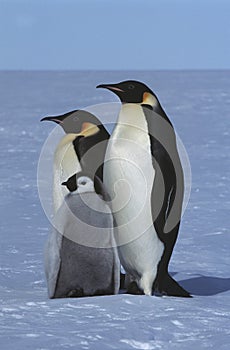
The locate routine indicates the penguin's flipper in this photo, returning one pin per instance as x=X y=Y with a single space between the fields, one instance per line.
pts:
x=52 y=261
x=101 y=189
x=170 y=287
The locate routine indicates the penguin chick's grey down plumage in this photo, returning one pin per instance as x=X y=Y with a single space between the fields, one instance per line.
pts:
x=80 y=255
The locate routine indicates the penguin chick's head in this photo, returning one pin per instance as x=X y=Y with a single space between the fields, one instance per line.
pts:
x=132 y=91
x=79 y=182
x=73 y=122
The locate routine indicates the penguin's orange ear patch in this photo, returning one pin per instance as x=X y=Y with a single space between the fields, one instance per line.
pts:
x=88 y=129
x=149 y=99
x=86 y=126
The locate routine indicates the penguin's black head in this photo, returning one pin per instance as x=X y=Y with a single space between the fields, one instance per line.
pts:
x=76 y=180
x=71 y=183
x=132 y=91
x=72 y=122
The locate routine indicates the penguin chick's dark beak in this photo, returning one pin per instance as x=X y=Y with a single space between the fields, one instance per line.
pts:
x=64 y=183
x=112 y=87
x=52 y=119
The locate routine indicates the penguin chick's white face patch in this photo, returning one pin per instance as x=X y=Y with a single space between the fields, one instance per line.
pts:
x=84 y=184
x=149 y=99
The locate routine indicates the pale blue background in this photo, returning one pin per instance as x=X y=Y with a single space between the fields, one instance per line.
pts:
x=114 y=34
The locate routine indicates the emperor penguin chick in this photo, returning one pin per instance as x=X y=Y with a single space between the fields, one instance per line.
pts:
x=81 y=257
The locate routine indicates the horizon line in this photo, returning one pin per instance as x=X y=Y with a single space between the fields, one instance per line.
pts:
x=113 y=70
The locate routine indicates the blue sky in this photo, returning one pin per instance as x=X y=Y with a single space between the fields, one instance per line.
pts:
x=115 y=34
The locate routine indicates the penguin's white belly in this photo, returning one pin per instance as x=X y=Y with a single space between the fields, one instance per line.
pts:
x=129 y=176
x=66 y=164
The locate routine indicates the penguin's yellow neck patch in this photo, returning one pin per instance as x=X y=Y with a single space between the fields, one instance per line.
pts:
x=88 y=129
x=68 y=138
x=149 y=99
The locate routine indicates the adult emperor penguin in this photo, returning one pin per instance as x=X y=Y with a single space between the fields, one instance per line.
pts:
x=81 y=258
x=82 y=148
x=144 y=139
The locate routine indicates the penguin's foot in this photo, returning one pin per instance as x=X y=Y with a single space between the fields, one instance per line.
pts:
x=75 y=293
x=146 y=281
x=168 y=286
x=133 y=289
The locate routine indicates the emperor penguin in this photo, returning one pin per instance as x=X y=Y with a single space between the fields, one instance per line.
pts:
x=82 y=148
x=142 y=151
x=81 y=257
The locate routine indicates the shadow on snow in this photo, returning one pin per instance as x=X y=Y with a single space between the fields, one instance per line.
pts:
x=205 y=285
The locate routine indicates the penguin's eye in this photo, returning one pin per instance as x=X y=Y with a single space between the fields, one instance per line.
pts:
x=83 y=183
x=131 y=87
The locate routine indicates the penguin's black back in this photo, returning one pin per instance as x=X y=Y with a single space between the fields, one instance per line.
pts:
x=168 y=184
x=167 y=166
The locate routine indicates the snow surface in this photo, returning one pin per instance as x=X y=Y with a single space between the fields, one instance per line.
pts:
x=198 y=103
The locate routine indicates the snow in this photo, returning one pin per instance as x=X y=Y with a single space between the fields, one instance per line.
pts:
x=198 y=103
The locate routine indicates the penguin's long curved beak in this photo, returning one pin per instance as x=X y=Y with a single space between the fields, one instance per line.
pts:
x=52 y=119
x=112 y=87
